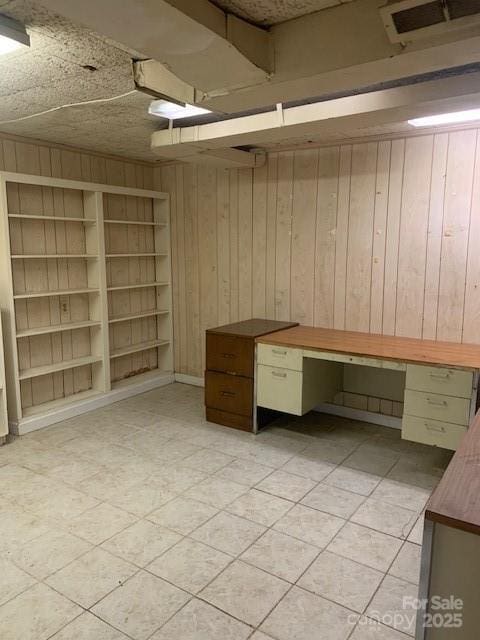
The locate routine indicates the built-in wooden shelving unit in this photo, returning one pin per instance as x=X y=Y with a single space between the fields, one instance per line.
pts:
x=85 y=294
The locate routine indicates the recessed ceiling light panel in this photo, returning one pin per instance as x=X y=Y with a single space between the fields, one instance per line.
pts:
x=172 y=111
x=457 y=117
x=12 y=35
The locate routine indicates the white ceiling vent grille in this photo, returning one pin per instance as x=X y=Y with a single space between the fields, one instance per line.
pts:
x=414 y=19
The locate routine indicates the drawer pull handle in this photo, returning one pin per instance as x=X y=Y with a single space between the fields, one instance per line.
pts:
x=440 y=376
x=434 y=428
x=228 y=355
x=228 y=394
x=279 y=352
x=437 y=403
x=279 y=375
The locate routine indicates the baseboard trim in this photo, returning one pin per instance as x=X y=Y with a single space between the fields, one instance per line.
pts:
x=196 y=381
x=27 y=425
x=359 y=414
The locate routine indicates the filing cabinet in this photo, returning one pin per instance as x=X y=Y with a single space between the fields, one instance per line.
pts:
x=230 y=369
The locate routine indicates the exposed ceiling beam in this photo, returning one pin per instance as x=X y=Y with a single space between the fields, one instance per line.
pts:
x=341 y=49
x=231 y=65
x=196 y=41
x=344 y=115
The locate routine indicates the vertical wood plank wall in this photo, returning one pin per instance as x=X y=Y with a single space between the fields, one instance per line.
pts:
x=375 y=236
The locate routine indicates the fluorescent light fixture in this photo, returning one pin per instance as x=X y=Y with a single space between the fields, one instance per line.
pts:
x=172 y=111
x=12 y=35
x=447 y=118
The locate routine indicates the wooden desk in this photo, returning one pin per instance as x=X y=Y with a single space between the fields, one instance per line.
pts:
x=301 y=367
x=412 y=350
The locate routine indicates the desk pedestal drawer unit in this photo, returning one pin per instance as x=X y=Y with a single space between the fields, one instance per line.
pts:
x=302 y=367
x=229 y=378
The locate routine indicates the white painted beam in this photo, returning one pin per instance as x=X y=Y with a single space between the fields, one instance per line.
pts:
x=314 y=120
x=192 y=39
x=341 y=49
x=154 y=78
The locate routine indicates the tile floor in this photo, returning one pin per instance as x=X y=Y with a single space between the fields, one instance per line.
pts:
x=143 y=521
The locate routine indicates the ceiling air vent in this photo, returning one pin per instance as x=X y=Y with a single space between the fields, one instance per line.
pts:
x=414 y=19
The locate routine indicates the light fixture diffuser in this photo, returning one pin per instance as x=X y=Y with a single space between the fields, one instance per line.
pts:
x=457 y=117
x=12 y=35
x=172 y=111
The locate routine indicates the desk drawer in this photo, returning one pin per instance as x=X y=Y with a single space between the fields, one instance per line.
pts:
x=451 y=382
x=437 y=407
x=279 y=389
x=230 y=354
x=275 y=356
x=433 y=432
x=233 y=394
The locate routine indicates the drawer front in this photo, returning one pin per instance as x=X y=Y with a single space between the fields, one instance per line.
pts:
x=351 y=359
x=230 y=354
x=437 y=407
x=275 y=356
x=451 y=382
x=279 y=389
x=433 y=432
x=229 y=393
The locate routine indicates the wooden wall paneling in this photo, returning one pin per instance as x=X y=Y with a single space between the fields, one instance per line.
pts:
x=434 y=238
x=284 y=235
x=379 y=236
x=304 y=208
x=413 y=236
x=245 y=243
x=456 y=224
x=207 y=237
x=169 y=184
x=223 y=246
x=394 y=206
x=341 y=236
x=192 y=271
x=234 y=270
x=471 y=321
x=270 y=240
x=179 y=271
x=259 y=241
x=326 y=222
x=360 y=234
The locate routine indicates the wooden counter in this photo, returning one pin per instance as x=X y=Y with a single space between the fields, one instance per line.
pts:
x=456 y=500
x=411 y=350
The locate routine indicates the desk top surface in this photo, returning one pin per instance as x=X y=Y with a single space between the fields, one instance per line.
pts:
x=456 y=500
x=251 y=328
x=410 y=350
